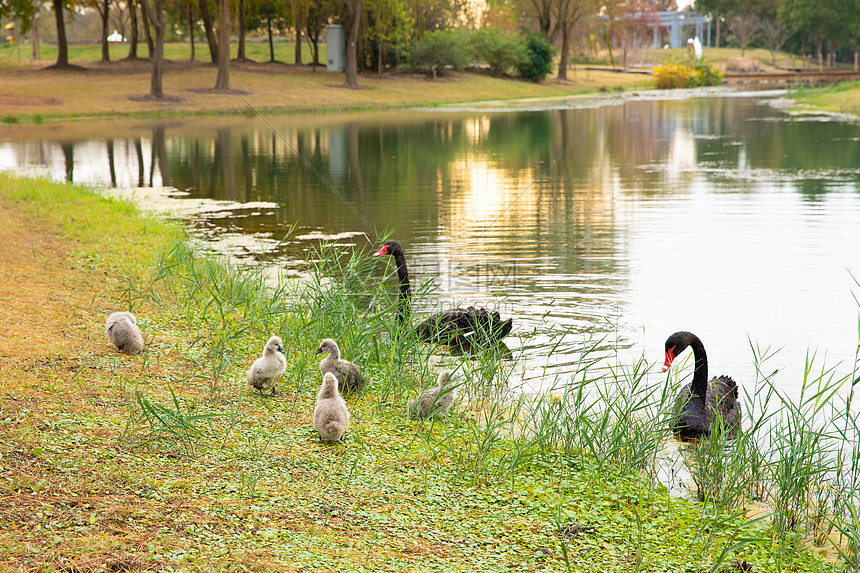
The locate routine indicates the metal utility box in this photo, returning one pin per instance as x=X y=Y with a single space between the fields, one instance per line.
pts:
x=335 y=38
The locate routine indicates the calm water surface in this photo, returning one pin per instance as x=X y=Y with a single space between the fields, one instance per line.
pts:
x=625 y=220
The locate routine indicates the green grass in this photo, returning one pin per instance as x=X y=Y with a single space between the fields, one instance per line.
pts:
x=168 y=460
x=176 y=51
x=843 y=97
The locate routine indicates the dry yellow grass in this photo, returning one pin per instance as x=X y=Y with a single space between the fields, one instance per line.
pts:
x=118 y=89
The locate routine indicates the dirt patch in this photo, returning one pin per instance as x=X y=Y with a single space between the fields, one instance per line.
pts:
x=18 y=100
x=153 y=99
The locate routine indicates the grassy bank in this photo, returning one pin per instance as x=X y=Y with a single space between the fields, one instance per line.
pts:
x=30 y=93
x=839 y=98
x=167 y=460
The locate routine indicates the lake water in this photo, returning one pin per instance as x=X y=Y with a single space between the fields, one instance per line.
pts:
x=623 y=218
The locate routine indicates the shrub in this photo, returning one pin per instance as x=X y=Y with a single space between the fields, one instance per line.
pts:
x=502 y=51
x=539 y=54
x=687 y=72
x=440 y=49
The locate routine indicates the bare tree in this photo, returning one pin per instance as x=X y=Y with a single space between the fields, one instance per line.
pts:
x=156 y=16
x=775 y=35
x=298 y=9
x=132 y=41
x=207 y=26
x=744 y=29
x=146 y=20
x=62 y=42
x=191 y=30
x=103 y=6
x=240 y=17
x=567 y=14
x=224 y=25
x=543 y=11
x=352 y=24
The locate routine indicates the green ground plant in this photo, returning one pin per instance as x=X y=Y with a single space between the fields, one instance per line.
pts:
x=184 y=473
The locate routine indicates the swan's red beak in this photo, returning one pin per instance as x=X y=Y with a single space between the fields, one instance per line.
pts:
x=670 y=356
x=382 y=251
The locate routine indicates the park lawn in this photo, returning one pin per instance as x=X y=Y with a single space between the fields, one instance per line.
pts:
x=30 y=93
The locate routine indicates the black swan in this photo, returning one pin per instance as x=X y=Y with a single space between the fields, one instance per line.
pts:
x=123 y=332
x=464 y=328
x=331 y=418
x=434 y=402
x=348 y=375
x=266 y=370
x=701 y=401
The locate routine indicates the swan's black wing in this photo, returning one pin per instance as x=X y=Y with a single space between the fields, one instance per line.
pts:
x=722 y=400
x=480 y=326
x=694 y=417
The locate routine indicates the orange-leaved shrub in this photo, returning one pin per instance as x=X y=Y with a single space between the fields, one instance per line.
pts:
x=687 y=73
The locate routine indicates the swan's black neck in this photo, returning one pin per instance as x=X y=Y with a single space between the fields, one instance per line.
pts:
x=699 y=386
x=405 y=286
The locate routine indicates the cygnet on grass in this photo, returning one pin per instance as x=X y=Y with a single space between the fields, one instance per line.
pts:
x=348 y=375
x=331 y=418
x=123 y=332
x=434 y=402
x=266 y=370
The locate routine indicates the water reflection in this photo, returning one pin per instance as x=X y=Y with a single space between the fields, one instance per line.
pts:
x=719 y=215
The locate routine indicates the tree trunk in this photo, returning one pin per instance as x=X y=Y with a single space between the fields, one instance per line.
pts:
x=156 y=80
x=316 y=52
x=271 y=42
x=132 y=44
x=62 y=42
x=104 y=12
x=159 y=153
x=717 y=43
x=146 y=19
x=353 y=21
x=298 y=48
x=210 y=33
x=313 y=37
x=624 y=50
x=240 y=56
x=565 y=48
x=820 y=53
x=191 y=28
x=111 y=162
x=223 y=80
x=69 y=157
x=35 y=43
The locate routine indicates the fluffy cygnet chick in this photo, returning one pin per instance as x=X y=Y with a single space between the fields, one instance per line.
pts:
x=331 y=418
x=266 y=370
x=348 y=376
x=434 y=402
x=123 y=332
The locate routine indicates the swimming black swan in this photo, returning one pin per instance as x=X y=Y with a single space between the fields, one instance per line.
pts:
x=701 y=401
x=463 y=328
